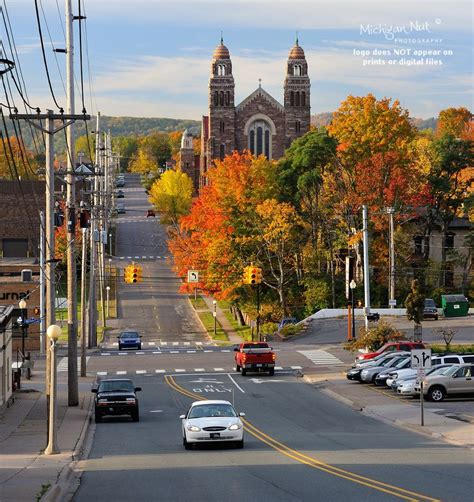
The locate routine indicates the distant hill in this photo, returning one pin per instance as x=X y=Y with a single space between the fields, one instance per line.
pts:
x=323 y=119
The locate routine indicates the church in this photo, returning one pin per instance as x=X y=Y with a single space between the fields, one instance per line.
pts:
x=260 y=123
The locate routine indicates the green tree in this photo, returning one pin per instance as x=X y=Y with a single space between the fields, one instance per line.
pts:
x=157 y=146
x=126 y=147
x=172 y=196
x=415 y=303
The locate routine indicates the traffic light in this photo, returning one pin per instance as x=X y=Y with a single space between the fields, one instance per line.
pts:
x=127 y=274
x=136 y=274
x=252 y=275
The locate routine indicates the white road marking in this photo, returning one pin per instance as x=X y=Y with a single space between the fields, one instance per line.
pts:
x=218 y=369
x=63 y=364
x=175 y=343
x=160 y=371
x=151 y=343
x=122 y=353
x=278 y=368
x=121 y=372
x=199 y=369
x=207 y=351
x=101 y=373
x=129 y=257
x=296 y=367
x=105 y=353
x=225 y=350
x=174 y=351
x=140 y=372
x=139 y=353
x=198 y=343
x=137 y=257
x=179 y=370
x=321 y=357
x=157 y=352
x=236 y=384
x=190 y=352
x=156 y=411
x=187 y=343
x=164 y=343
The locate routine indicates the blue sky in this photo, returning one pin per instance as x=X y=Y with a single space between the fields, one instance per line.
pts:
x=152 y=58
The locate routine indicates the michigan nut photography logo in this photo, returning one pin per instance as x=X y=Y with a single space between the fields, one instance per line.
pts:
x=390 y=31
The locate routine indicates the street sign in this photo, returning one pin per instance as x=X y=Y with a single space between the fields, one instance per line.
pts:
x=421 y=358
x=392 y=303
x=193 y=276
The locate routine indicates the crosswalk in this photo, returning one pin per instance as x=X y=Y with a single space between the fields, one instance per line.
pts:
x=164 y=343
x=321 y=357
x=161 y=371
x=63 y=363
x=143 y=257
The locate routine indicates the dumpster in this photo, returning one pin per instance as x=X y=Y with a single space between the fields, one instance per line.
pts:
x=454 y=305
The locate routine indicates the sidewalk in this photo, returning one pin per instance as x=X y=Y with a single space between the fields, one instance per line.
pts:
x=403 y=413
x=234 y=338
x=25 y=473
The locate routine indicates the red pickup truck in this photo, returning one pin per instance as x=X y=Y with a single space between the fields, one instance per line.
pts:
x=254 y=356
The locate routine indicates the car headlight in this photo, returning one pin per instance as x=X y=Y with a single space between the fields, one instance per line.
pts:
x=193 y=428
x=102 y=400
x=394 y=376
x=235 y=427
x=131 y=400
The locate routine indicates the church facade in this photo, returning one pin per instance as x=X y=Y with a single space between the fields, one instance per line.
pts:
x=260 y=123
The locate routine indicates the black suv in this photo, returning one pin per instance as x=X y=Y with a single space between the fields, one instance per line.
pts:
x=430 y=311
x=116 y=397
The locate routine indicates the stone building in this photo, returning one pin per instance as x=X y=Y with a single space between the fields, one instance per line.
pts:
x=260 y=123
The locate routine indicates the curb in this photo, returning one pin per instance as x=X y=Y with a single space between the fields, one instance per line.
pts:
x=68 y=479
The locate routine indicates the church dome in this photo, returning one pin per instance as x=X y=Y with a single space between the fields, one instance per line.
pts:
x=296 y=52
x=221 y=51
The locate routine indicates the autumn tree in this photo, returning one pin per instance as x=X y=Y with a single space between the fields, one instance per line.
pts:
x=126 y=147
x=171 y=195
x=143 y=164
x=16 y=159
x=456 y=122
x=86 y=145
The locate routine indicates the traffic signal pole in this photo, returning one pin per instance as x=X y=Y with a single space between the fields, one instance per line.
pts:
x=258 y=312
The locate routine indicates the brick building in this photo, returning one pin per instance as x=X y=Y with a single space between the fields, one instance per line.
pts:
x=259 y=123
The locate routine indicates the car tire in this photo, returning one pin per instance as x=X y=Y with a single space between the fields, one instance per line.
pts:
x=98 y=418
x=136 y=416
x=120 y=347
x=237 y=368
x=436 y=393
x=239 y=444
x=271 y=371
x=243 y=371
x=436 y=318
x=140 y=347
x=187 y=446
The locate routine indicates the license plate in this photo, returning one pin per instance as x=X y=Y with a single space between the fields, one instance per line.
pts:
x=215 y=435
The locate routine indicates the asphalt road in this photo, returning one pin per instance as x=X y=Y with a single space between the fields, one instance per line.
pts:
x=299 y=445
x=153 y=307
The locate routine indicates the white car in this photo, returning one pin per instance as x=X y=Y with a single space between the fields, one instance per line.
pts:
x=212 y=421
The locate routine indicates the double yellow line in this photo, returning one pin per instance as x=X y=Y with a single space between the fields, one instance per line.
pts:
x=310 y=461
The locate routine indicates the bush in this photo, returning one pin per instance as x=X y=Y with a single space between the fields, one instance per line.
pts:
x=289 y=330
x=453 y=349
x=268 y=328
x=375 y=337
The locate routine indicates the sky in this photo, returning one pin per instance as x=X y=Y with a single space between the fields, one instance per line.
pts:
x=152 y=58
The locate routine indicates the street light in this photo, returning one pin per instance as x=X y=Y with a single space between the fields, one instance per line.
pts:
x=352 y=286
x=107 y=289
x=110 y=243
x=53 y=332
x=215 y=317
x=24 y=326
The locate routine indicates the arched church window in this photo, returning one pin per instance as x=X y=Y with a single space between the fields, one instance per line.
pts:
x=303 y=98
x=222 y=152
x=267 y=144
x=222 y=126
x=216 y=98
x=221 y=98
x=292 y=98
x=227 y=98
x=298 y=126
x=297 y=70
x=252 y=142
x=259 y=141
x=297 y=99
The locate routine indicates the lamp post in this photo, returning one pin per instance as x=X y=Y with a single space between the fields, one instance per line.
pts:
x=107 y=289
x=110 y=244
x=215 y=317
x=352 y=286
x=53 y=333
x=24 y=326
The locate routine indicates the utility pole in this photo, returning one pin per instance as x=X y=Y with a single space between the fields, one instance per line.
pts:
x=365 y=230
x=42 y=284
x=73 y=389
x=391 y=211
x=83 y=303
x=92 y=338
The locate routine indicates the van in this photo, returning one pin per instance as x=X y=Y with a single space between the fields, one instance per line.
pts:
x=451 y=359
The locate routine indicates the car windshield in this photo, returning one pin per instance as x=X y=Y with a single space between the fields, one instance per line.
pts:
x=116 y=386
x=393 y=361
x=129 y=335
x=449 y=371
x=401 y=362
x=255 y=346
x=212 y=410
x=437 y=370
x=430 y=303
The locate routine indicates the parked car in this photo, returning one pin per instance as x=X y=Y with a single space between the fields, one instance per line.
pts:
x=381 y=378
x=406 y=386
x=116 y=397
x=254 y=356
x=120 y=194
x=285 y=321
x=457 y=379
x=355 y=371
x=120 y=183
x=405 y=345
x=120 y=208
x=368 y=375
x=129 y=339
x=150 y=212
x=212 y=421
x=430 y=311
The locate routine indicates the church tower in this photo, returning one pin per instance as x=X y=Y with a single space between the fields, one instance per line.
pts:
x=297 y=96
x=221 y=141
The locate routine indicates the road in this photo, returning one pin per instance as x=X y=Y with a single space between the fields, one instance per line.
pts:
x=300 y=444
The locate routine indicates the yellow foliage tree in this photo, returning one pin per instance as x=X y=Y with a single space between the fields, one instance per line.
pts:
x=143 y=164
x=172 y=196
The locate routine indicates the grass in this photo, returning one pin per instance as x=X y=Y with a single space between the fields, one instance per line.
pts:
x=199 y=303
x=243 y=331
x=208 y=321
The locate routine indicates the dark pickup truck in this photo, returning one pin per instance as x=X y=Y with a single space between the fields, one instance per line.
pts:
x=116 y=397
x=254 y=356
